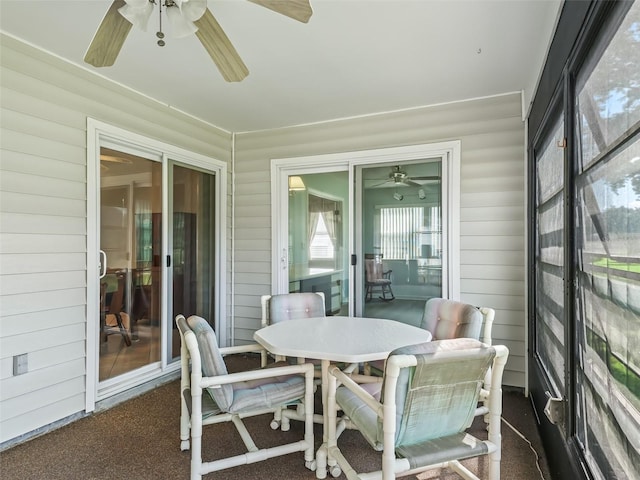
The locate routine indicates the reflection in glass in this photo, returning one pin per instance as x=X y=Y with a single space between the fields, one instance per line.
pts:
x=608 y=256
x=402 y=231
x=608 y=102
x=608 y=308
x=130 y=206
x=318 y=259
x=193 y=259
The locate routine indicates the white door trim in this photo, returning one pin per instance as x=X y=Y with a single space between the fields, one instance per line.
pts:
x=98 y=132
x=281 y=168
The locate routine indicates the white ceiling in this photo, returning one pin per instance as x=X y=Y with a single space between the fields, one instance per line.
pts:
x=353 y=58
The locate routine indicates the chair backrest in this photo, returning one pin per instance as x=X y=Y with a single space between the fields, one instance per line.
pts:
x=211 y=360
x=447 y=319
x=291 y=306
x=117 y=298
x=438 y=396
x=103 y=298
x=373 y=267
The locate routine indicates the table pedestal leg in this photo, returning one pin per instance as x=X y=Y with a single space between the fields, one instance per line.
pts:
x=321 y=455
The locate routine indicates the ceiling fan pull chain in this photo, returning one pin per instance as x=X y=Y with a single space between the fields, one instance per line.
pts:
x=159 y=33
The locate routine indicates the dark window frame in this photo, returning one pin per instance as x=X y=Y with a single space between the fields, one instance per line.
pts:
x=583 y=31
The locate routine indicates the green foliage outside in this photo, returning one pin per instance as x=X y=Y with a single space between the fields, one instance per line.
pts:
x=619 y=370
x=615 y=265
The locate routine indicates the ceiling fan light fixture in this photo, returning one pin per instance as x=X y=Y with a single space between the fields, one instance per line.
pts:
x=180 y=26
x=296 y=184
x=196 y=18
x=192 y=10
x=137 y=12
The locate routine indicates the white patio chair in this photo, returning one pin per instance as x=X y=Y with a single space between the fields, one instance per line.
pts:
x=281 y=308
x=211 y=395
x=447 y=319
x=290 y=306
x=418 y=420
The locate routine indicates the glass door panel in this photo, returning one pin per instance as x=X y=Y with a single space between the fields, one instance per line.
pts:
x=193 y=253
x=400 y=239
x=130 y=308
x=317 y=240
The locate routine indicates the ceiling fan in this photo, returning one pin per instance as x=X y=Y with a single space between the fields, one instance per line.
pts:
x=399 y=178
x=185 y=17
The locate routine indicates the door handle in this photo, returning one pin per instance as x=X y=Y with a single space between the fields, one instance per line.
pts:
x=102 y=266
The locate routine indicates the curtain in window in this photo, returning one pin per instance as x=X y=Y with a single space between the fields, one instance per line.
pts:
x=329 y=211
x=315 y=210
x=330 y=219
x=399 y=230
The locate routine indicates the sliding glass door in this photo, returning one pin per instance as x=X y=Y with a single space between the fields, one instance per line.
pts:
x=134 y=262
x=159 y=247
x=399 y=225
x=192 y=235
x=396 y=209
x=318 y=257
x=130 y=304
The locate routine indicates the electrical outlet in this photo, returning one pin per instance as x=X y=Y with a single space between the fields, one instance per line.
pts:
x=20 y=364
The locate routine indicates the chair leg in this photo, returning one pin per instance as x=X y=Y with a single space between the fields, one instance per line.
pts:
x=185 y=428
x=123 y=331
x=391 y=293
x=369 y=294
x=196 y=438
x=386 y=290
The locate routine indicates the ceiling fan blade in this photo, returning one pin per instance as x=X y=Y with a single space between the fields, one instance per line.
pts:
x=109 y=37
x=432 y=177
x=299 y=10
x=410 y=183
x=378 y=185
x=219 y=47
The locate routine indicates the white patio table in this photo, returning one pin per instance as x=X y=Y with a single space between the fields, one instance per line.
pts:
x=338 y=339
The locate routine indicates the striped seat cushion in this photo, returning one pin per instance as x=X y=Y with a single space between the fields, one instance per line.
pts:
x=267 y=392
x=212 y=361
x=241 y=396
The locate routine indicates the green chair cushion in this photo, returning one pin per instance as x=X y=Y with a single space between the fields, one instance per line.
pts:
x=212 y=361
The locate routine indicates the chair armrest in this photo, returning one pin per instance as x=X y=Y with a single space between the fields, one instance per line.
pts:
x=489 y=315
x=363 y=395
x=304 y=368
x=252 y=347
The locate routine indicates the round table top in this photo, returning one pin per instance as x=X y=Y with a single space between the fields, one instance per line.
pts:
x=339 y=339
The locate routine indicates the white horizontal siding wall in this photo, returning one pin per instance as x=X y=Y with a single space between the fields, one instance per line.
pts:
x=44 y=105
x=491 y=132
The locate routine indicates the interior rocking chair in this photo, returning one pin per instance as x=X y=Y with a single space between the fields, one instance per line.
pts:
x=377 y=279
